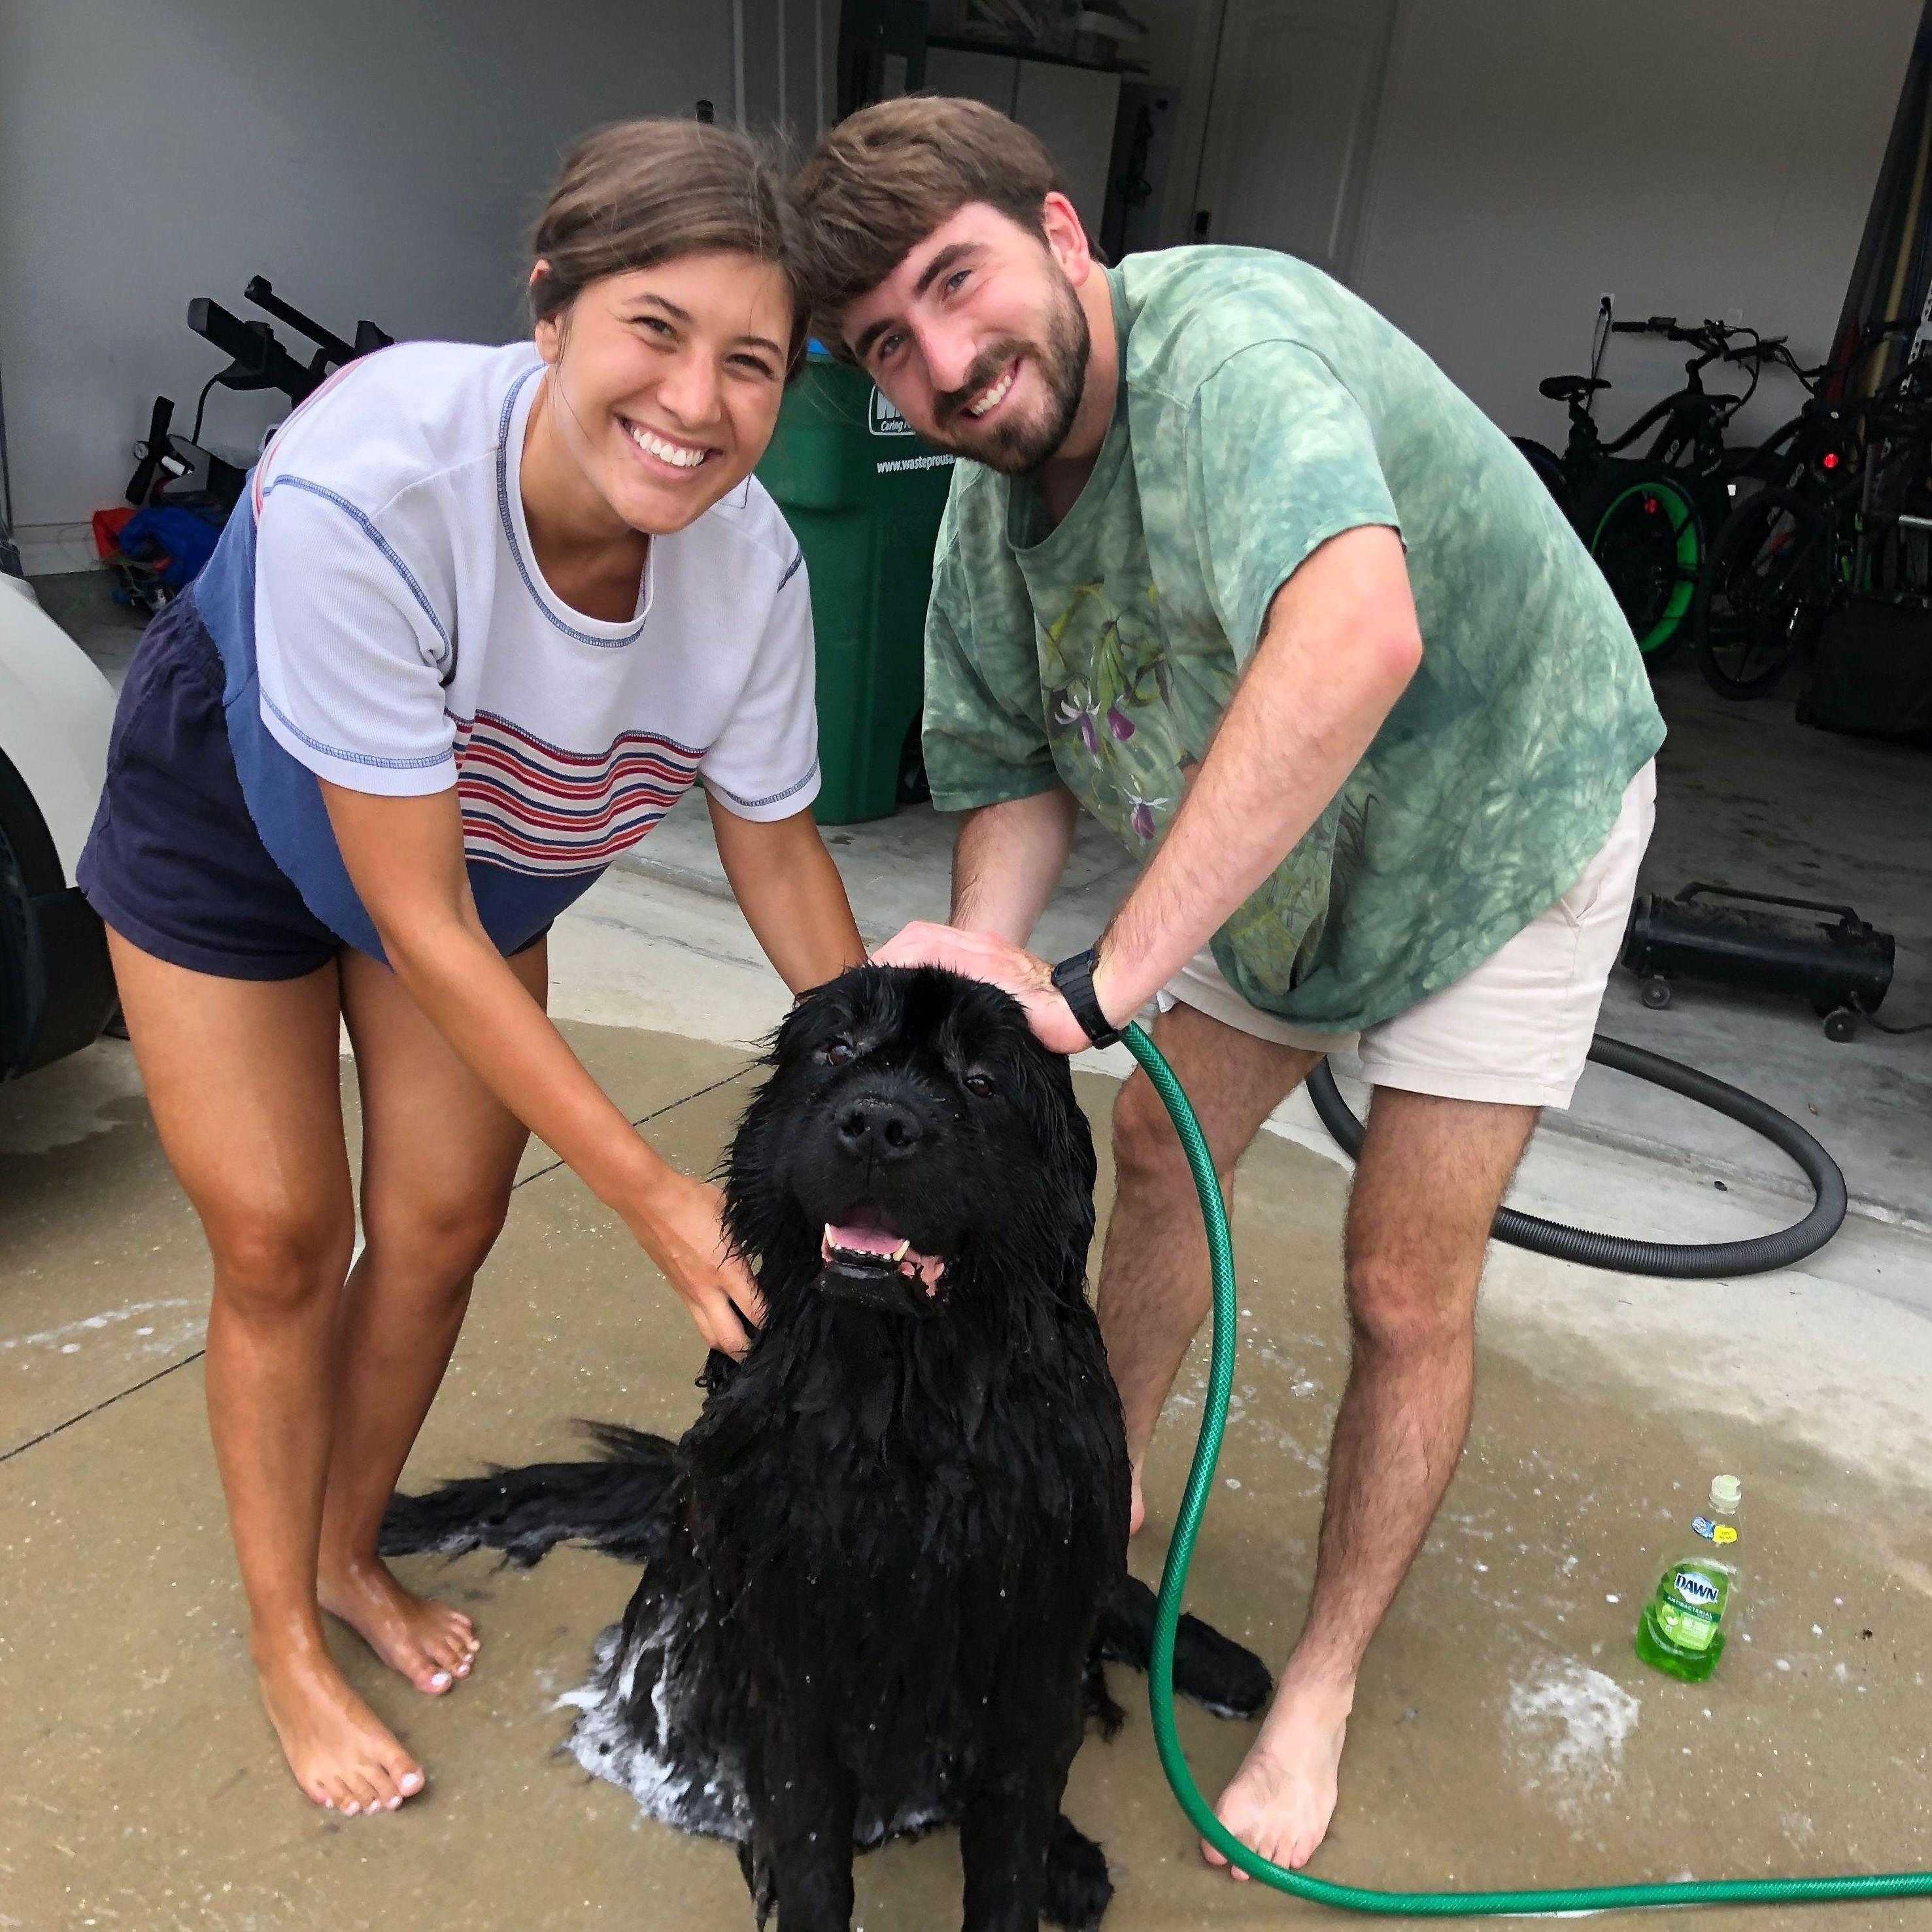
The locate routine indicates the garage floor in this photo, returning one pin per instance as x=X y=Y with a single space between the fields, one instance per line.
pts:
x=146 y=1790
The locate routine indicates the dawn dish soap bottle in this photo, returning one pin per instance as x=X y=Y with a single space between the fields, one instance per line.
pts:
x=1681 y=1632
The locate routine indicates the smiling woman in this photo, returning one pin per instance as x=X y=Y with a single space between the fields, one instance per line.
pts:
x=485 y=615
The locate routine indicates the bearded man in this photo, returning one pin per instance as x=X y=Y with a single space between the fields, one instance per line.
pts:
x=1233 y=567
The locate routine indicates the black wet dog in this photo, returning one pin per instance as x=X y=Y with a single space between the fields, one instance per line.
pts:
x=881 y=1568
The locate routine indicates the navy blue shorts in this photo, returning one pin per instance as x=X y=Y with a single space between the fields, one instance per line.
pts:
x=174 y=863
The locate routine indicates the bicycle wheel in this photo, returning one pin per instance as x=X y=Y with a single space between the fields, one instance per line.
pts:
x=1549 y=468
x=1762 y=591
x=1647 y=540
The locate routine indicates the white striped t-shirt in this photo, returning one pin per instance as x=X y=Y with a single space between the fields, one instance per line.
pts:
x=385 y=625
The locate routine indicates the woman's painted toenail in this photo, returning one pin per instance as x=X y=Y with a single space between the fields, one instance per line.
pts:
x=349 y=1809
x=440 y=1682
x=394 y=1802
x=410 y=1781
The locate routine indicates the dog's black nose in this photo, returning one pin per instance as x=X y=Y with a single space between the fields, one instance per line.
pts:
x=872 y=1125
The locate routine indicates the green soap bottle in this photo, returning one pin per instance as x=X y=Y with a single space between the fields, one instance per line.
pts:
x=1681 y=1631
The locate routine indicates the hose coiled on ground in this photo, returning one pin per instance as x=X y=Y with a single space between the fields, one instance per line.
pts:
x=1691 y=1260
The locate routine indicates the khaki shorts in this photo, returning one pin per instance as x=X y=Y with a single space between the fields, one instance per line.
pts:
x=1516 y=1029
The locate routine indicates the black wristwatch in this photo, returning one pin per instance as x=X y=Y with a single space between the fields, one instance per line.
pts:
x=1074 y=979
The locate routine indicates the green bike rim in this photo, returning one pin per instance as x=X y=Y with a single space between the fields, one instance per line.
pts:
x=1683 y=516
x=1167 y=1615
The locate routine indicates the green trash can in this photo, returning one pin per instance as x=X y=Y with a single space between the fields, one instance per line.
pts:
x=863 y=496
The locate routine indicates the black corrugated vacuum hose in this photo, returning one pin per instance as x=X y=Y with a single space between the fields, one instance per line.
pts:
x=1690 y=1261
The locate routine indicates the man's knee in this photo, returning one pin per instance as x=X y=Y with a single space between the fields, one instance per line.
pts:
x=1147 y=1153
x=1400 y=1307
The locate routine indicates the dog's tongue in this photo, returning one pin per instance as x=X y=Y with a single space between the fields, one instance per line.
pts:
x=865 y=1237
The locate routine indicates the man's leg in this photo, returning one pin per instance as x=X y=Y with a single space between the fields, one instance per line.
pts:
x=1153 y=1291
x=1431 y=1177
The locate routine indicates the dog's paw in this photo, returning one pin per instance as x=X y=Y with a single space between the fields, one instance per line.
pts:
x=1078 y=1889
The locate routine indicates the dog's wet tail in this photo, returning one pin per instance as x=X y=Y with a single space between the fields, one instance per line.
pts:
x=618 y=1504
x=1209 y=1670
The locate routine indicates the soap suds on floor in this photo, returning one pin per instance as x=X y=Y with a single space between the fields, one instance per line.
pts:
x=1567 y=1725
x=63 y=1339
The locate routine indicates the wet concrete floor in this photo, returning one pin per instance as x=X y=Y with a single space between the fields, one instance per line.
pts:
x=1503 y=1734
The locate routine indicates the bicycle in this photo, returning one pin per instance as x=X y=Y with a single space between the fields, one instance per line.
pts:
x=1794 y=552
x=1644 y=518
x=1814 y=451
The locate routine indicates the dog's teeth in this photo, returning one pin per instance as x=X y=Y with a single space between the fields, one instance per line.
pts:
x=899 y=1253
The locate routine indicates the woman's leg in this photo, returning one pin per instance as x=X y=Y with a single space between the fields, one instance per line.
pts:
x=439 y=1154
x=243 y=1077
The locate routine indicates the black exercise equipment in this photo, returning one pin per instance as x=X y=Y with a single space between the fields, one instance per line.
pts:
x=1842 y=967
x=176 y=468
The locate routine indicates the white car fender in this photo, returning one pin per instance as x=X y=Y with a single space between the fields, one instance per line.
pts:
x=56 y=710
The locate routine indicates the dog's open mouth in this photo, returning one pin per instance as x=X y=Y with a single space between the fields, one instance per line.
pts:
x=868 y=1262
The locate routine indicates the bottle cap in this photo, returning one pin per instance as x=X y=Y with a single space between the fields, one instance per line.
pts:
x=1725 y=1492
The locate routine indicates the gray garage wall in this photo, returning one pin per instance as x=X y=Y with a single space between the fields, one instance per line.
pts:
x=1691 y=157
x=376 y=157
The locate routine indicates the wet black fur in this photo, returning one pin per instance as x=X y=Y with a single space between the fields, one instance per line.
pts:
x=883 y=1567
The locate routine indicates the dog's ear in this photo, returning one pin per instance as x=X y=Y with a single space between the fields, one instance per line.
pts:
x=761 y=1218
x=1069 y=1168
x=759 y=1213
x=791 y=1039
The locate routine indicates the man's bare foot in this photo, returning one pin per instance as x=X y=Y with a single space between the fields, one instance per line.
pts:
x=341 y=1754
x=1279 y=1802
x=417 y=1637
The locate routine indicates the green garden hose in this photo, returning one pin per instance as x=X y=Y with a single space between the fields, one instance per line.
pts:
x=1174 y=1582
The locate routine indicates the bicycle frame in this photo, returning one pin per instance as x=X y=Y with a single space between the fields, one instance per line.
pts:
x=1850 y=556
x=1689 y=422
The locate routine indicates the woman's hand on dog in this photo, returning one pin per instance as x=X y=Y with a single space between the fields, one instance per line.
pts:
x=986 y=956
x=681 y=1228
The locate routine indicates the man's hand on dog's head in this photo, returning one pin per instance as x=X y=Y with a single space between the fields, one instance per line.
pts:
x=985 y=955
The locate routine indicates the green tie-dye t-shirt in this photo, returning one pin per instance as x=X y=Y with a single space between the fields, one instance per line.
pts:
x=1263 y=409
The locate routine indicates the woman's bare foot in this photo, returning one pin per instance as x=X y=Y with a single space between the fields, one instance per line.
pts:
x=417 y=1637
x=1279 y=1802
x=341 y=1754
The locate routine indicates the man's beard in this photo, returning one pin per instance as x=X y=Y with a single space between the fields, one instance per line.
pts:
x=1017 y=446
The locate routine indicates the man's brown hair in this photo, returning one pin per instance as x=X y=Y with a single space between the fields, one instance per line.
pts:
x=886 y=177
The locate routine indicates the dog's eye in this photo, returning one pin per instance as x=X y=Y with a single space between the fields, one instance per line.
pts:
x=837 y=1052
x=979 y=1085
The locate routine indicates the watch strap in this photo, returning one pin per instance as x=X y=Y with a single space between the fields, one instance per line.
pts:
x=1074 y=979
